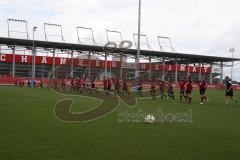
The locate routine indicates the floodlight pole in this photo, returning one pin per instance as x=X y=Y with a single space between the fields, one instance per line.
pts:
x=8 y=28
x=34 y=55
x=121 y=55
x=138 y=43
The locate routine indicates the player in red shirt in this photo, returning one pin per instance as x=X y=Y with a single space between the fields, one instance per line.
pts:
x=202 y=89
x=188 y=92
x=153 y=90
x=182 y=83
x=79 y=86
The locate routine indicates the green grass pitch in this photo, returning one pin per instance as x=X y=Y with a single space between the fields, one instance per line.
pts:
x=29 y=129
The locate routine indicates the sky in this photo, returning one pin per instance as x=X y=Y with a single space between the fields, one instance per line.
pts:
x=208 y=27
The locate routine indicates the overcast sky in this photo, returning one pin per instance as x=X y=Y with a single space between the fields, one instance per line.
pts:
x=208 y=27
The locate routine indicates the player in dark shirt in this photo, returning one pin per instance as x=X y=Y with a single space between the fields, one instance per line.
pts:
x=229 y=91
x=117 y=86
x=188 y=92
x=162 y=89
x=182 y=83
x=93 y=88
x=125 y=88
x=140 y=88
x=202 y=85
x=105 y=86
x=170 y=90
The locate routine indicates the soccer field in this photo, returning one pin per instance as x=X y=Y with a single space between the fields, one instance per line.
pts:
x=30 y=130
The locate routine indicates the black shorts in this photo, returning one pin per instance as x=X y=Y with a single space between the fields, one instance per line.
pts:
x=229 y=93
x=170 y=92
x=188 y=92
x=105 y=88
x=182 y=91
x=202 y=92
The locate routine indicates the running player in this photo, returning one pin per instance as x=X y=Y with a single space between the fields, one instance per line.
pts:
x=170 y=90
x=41 y=83
x=140 y=88
x=125 y=88
x=79 y=86
x=105 y=86
x=188 y=92
x=202 y=89
x=72 y=85
x=93 y=88
x=110 y=85
x=117 y=86
x=153 y=90
x=162 y=89
x=182 y=83
x=229 y=91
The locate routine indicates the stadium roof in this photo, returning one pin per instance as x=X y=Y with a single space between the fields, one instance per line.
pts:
x=81 y=47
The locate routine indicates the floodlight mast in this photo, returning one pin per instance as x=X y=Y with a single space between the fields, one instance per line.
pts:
x=17 y=21
x=146 y=39
x=108 y=31
x=113 y=31
x=170 y=43
x=85 y=28
x=53 y=25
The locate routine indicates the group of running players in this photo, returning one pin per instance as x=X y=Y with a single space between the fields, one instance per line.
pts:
x=121 y=88
x=166 y=89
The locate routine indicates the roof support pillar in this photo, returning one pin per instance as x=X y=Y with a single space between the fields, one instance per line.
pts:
x=176 y=71
x=150 y=69
x=54 y=62
x=71 y=73
x=14 y=62
x=89 y=64
x=221 y=74
x=200 y=70
x=163 y=69
x=188 y=68
x=105 y=65
x=211 y=74
x=121 y=67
